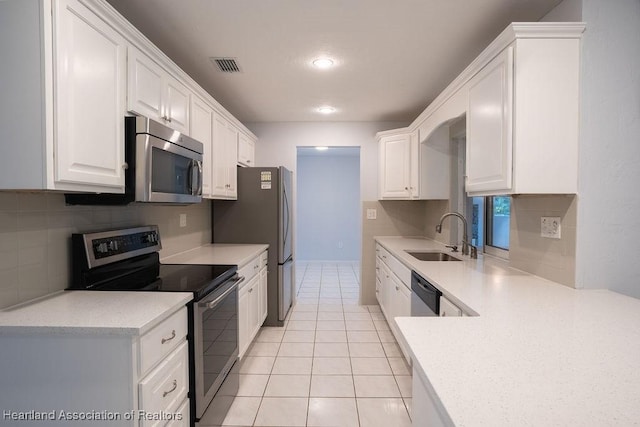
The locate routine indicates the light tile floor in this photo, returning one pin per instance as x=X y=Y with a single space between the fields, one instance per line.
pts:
x=334 y=363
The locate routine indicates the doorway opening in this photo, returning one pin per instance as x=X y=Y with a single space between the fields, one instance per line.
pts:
x=328 y=225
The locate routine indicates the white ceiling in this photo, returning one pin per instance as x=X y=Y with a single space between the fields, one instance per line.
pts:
x=393 y=56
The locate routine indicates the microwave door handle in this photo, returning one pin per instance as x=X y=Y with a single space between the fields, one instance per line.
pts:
x=199 y=190
x=193 y=185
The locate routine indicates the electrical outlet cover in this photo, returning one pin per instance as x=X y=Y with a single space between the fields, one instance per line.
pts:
x=183 y=220
x=550 y=227
x=372 y=213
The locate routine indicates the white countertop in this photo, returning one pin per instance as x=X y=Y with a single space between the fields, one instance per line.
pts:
x=218 y=253
x=95 y=312
x=538 y=353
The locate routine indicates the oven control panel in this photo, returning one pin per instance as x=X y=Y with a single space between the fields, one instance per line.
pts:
x=105 y=247
x=109 y=246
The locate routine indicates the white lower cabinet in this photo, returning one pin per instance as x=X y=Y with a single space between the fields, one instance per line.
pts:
x=252 y=301
x=429 y=411
x=393 y=290
x=449 y=309
x=137 y=380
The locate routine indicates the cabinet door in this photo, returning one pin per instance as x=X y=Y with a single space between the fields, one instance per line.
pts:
x=89 y=137
x=201 y=118
x=448 y=309
x=225 y=159
x=232 y=161
x=414 y=181
x=263 y=296
x=177 y=105
x=396 y=166
x=378 y=280
x=243 y=319
x=145 y=93
x=489 y=127
x=385 y=291
x=254 y=306
x=219 y=171
x=396 y=302
x=246 y=150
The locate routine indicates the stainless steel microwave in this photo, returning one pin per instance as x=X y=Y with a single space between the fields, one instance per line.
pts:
x=163 y=166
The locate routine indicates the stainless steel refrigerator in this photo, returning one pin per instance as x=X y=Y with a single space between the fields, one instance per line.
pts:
x=262 y=214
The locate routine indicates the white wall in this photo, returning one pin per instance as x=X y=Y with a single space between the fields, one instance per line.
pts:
x=608 y=241
x=566 y=11
x=328 y=206
x=278 y=141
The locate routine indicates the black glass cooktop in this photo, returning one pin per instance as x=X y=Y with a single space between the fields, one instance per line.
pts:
x=198 y=279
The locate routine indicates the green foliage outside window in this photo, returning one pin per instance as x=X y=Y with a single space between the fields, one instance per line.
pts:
x=501 y=206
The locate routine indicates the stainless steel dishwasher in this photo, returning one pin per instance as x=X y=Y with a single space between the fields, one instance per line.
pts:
x=425 y=298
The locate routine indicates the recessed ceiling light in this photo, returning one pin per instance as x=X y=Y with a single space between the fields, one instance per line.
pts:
x=322 y=148
x=326 y=110
x=323 y=63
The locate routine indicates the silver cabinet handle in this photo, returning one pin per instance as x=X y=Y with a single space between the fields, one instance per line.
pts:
x=173 y=335
x=250 y=290
x=406 y=188
x=397 y=288
x=175 y=385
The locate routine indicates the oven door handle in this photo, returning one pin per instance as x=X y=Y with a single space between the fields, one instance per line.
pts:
x=233 y=287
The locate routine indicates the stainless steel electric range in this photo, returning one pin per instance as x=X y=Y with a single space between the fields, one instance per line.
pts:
x=128 y=260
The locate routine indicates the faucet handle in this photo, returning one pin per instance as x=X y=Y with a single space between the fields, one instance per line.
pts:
x=454 y=248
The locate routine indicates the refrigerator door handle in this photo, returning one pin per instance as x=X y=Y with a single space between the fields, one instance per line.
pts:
x=286 y=203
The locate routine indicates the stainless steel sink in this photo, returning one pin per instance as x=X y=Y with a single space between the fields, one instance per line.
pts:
x=432 y=256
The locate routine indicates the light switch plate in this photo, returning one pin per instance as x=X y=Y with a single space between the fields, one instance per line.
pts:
x=183 y=220
x=372 y=213
x=550 y=227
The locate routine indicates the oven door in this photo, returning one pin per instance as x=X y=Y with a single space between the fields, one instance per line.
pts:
x=215 y=338
x=166 y=172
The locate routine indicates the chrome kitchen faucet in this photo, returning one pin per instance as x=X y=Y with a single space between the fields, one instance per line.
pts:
x=466 y=246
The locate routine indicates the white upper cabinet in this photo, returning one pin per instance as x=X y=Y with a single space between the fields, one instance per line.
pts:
x=520 y=97
x=523 y=117
x=154 y=93
x=89 y=135
x=395 y=166
x=489 y=136
x=413 y=169
x=246 y=150
x=225 y=157
x=63 y=81
x=202 y=130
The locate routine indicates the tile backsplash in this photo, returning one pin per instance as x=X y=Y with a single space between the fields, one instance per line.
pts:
x=36 y=228
x=552 y=259
x=396 y=218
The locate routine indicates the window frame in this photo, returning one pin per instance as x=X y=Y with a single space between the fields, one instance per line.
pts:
x=488 y=228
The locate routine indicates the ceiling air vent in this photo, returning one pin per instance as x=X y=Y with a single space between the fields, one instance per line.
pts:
x=226 y=65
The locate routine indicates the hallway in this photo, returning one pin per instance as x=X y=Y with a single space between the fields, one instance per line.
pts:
x=334 y=363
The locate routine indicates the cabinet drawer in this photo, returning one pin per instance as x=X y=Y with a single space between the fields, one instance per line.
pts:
x=166 y=387
x=249 y=270
x=161 y=340
x=398 y=268
x=264 y=259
